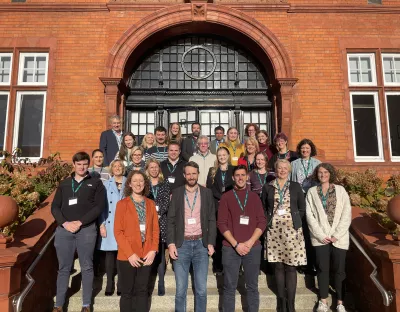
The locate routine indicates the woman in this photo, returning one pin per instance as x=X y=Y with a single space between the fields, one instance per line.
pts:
x=160 y=193
x=329 y=218
x=281 y=143
x=128 y=141
x=264 y=143
x=147 y=142
x=285 y=207
x=233 y=145
x=259 y=176
x=136 y=161
x=250 y=131
x=136 y=232
x=303 y=167
x=248 y=159
x=174 y=133
x=219 y=180
x=97 y=170
x=115 y=192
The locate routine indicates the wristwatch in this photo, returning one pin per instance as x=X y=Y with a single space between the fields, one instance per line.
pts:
x=237 y=244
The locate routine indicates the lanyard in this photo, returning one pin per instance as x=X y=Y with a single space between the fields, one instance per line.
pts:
x=75 y=190
x=282 y=191
x=194 y=200
x=173 y=168
x=101 y=169
x=204 y=157
x=243 y=207
x=284 y=155
x=324 y=199
x=233 y=148
x=118 y=137
x=249 y=164
x=223 y=174
x=306 y=172
x=140 y=208
x=158 y=151
x=259 y=178
x=154 y=190
x=194 y=144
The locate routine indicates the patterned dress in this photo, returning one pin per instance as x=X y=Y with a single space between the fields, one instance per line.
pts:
x=284 y=243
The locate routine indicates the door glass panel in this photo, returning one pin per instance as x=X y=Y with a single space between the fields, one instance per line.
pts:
x=191 y=116
x=134 y=117
x=393 y=110
x=246 y=117
x=3 y=116
x=224 y=117
x=204 y=118
x=173 y=117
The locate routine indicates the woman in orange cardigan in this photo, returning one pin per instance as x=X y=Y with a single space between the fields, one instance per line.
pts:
x=137 y=233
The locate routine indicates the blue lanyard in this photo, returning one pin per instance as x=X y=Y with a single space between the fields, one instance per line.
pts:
x=284 y=155
x=282 y=191
x=249 y=164
x=194 y=200
x=75 y=190
x=154 y=190
x=173 y=168
x=194 y=144
x=259 y=178
x=306 y=172
x=223 y=174
x=324 y=199
x=204 y=157
x=162 y=153
x=243 y=207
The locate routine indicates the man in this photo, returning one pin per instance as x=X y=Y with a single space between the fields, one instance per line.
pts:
x=110 y=140
x=172 y=167
x=241 y=221
x=79 y=201
x=219 y=133
x=203 y=158
x=160 y=151
x=189 y=144
x=191 y=233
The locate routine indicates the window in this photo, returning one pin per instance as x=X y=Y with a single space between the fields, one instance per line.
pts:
x=33 y=69
x=261 y=119
x=29 y=123
x=393 y=116
x=211 y=119
x=362 y=70
x=185 y=118
x=367 y=138
x=5 y=68
x=4 y=97
x=391 y=68
x=374 y=1
x=142 y=123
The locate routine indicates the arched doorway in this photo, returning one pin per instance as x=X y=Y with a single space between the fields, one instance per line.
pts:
x=198 y=78
x=199 y=19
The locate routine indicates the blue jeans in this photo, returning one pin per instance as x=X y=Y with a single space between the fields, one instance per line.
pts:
x=66 y=243
x=191 y=252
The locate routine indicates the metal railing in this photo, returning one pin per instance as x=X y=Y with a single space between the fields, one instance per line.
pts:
x=19 y=299
x=386 y=294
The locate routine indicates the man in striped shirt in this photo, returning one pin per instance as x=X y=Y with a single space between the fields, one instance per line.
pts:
x=160 y=151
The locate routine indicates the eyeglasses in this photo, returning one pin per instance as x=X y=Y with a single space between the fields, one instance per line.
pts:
x=203 y=143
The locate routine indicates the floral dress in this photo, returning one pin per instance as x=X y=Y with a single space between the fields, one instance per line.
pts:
x=284 y=243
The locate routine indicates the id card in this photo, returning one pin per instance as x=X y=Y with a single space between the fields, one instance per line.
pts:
x=244 y=220
x=235 y=158
x=191 y=221
x=171 y=179
x=281 y=212
x=142 y=227
x=73 y=201
x=223 y=189
x=157 y=208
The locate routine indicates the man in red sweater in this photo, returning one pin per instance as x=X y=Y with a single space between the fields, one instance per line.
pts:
x=241 y=221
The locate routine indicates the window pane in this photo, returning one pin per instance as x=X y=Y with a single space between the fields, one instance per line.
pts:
x=134 y=129
x=28 y=76
x=246 y=117
x=387 y=63
x=254 y=117
x=142 y=130
x=365 y=131
x=365 y=63
x=204 y=118
x=134 y=118
x=30 y=124
x=5 y=62
x=355 y=77
x=389 y=77
x=353 y=62
x=150 y=118
x=40 y=76
x=41 y=62
x=367 y=77
x=397 y=63
x=3 y=115
x=393 y=107
x=29 y=62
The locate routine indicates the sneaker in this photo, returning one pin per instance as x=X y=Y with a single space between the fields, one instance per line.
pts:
x=57 y=309
x=85 y=309
x=322 y=307
x=340 y=308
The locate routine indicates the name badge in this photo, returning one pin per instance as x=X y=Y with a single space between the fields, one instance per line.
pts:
x=73 y=201
x=223 y=189
x=171 y=179
x=191 y=221
x=142 y=227
x=244 y=220
x=235 y=158
x=194 y=153
x=281 y=212
x=157 y=208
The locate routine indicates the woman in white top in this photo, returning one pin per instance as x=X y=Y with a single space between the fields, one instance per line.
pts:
x=328 y=212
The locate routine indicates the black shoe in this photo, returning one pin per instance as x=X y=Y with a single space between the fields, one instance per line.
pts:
x=161 y=290
x=282 y=305
x=108 y=293
x=291 y=304
x=118 y=293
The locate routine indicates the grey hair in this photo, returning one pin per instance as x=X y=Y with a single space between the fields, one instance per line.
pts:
x=203 y=137
x=114 y=117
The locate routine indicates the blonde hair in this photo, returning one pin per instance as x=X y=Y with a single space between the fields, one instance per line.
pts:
x=254 y=142
x=214 y=169
x=144 y=142
x=136 y=148
x=112 y=165
x=227 y=135
x=146 y=169
x=178 y=137
x=283 y=161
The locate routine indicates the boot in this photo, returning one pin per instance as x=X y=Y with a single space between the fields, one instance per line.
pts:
x=282 y=305
x=291 y=304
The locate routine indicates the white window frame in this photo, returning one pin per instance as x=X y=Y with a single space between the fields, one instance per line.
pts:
x=373 y=69
x=7 y=112
x=396 y=69
x=17 y=118
x=11 y=64
x=21 y=68
x=392 y=158
x=378 y=130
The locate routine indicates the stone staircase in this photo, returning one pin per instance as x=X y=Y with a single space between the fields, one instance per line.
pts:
x=306 y=297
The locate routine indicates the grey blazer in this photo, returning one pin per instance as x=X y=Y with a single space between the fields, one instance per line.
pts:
x=213 y=146
x=176 y=217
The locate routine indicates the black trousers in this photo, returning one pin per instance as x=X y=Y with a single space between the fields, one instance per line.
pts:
x=161 y=264
x=133 y=283
x=286 y=280
x=329 y=258
x=110 y=264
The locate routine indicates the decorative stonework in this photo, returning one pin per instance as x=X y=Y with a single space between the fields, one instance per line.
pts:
x=199 y=11
x=287 y=82
x=110 y=81
x=252 y=2
x=148 y=1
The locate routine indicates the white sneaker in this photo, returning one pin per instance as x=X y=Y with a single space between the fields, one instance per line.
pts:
x=340 y=308
x=322 y=307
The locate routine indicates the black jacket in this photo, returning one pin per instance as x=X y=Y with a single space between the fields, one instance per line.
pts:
x=189 y=146
x=91 y=201
x=166 y=167
x=176 y=217
x=271 y=164
x=297 y=203
x=216 y=186
x=109 y=146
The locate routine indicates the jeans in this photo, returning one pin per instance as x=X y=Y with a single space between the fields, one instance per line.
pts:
x=66 y=243
x=231 y=261
x=133 y=284
x=324 y=255
x=160 y=260
x=191 y=253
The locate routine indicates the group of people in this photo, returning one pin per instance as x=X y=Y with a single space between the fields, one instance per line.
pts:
x=235 y=201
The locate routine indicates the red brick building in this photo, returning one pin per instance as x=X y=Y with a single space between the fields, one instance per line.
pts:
x=328 y=70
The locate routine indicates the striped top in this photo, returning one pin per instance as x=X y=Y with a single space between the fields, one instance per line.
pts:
x=159 y=153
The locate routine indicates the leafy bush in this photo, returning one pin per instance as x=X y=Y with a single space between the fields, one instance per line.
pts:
x=367 y=190
x=19 y=180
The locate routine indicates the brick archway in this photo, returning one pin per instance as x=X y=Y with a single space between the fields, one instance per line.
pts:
x=187 y=14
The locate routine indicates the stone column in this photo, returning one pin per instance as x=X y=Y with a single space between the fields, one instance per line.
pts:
x=114 y=89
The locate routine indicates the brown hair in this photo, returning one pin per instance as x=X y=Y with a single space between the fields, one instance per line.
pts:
x=128 y=190
x=266 y=134
x=178 y=137
x=256 y=128
x=330 y=168
x=123 y=151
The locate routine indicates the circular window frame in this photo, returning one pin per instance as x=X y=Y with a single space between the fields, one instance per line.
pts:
x=208 y=73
